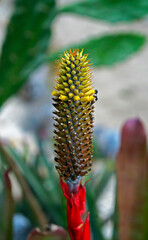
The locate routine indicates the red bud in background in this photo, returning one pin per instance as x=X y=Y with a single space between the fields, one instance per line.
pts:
x=52 y=231
x=132 y=173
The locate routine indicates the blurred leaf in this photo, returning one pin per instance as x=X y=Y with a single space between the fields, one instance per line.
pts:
x=8 y=207
x=108 y=49
x=26 y=43
x=95 y=220
x=2 y=197
x=54 y=188
x=95 y=188
x=103 y=178
x=30 y=177
x=115 y=234
x=52 y=181
x=96 y=151
x=45 y=197
x=109 y=10
x=33 y=202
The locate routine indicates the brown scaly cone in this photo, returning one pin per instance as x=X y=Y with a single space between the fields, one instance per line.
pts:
x=74 y=99
x=132 y=181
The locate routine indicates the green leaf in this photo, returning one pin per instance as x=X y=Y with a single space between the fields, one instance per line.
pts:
x=41 y=193
x=44 y=197
x=96 y=150
x=115 y=218
x=110 y=10
x=30 y=176
x=109 y=49
x=95 y=220
x=103 y=178
x=95 y=188
x=26 y=43
x=33 y=202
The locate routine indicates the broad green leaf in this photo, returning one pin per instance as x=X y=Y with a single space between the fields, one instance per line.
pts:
x=108 y=49
x=26 y=43
x=109 y=10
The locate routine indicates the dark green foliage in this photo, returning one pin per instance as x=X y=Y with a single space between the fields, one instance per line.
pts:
x=49 y=195
x=47 y=190
x=26 y=43
x=109 y=49
x=110 y=10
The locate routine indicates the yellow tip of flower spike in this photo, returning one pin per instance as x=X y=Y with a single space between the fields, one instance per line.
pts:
x=75 y=74
x=74 y=100
x=63 y=98
x=55 y=93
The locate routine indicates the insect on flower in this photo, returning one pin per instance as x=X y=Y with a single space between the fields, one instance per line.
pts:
x=74 y=99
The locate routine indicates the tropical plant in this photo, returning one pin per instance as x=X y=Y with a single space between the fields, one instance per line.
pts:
x=25 y=48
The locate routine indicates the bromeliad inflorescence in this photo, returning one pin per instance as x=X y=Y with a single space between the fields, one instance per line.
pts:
x=74 y=100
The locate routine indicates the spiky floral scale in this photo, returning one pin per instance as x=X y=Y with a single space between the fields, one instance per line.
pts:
x=73 y=100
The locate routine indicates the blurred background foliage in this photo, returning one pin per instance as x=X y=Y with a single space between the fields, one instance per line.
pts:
x=31 y=22
x=27 y=47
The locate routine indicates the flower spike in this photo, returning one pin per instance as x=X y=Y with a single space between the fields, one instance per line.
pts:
x=74 y=99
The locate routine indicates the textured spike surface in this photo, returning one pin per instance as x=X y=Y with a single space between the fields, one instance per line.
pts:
x=74 y=100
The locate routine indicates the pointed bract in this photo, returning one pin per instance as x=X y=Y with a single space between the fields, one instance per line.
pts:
x=75 y=208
